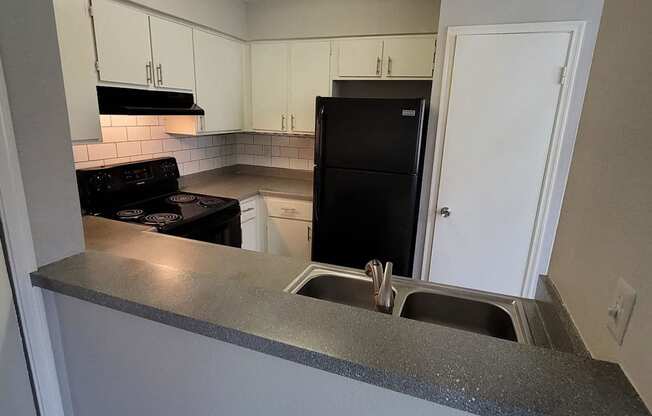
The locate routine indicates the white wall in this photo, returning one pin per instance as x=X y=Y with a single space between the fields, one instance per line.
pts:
x=120 y=364
x=280 y=19
x=30 y=55
x=605 y=230
x=15 y=390
x=226 y=16
x=483 y=12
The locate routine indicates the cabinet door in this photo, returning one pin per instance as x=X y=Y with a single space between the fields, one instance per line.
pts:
x=410 y=57
x=360 y=58
x=218 y=70
x=122 y=42
x=172 y=53
x=309 y=77
x=287 y=237
x=269 y=86
x=77 y=51
x=250 y=235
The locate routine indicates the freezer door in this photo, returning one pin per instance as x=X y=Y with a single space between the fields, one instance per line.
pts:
x=382 y=135
x=362 y=215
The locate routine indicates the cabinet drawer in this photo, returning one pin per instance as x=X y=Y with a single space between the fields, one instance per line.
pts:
x=289 y=208
x=247 y=209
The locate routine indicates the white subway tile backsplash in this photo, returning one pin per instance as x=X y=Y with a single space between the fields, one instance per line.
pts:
x=245 y=139
x=171 y=145
x=207 y=164
x=281 y=162
x=128 y=149
x=291 y=152
x=299 y=164
x=182 y=156
x=138 y=158
x=280 y=140
x=263 y=160
x=138 y=133
x=306 y=153
x=245 y=159
x=191 y=167
x=105 y=120
x=120 y=120
x=158 y=132
x=196 y=154
x=115 y=160
x=147 y=120
x=262 y=139
x=114 y=134
x=151 y=146
x=102 y=151
x=80 y=153
x=89 y=164
x=218 y=140
x=302 y=141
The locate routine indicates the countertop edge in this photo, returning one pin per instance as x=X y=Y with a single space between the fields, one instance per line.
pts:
x=374 y=376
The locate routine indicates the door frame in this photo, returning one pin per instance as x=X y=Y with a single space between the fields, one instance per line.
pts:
x=559 y=155
x=21 y=261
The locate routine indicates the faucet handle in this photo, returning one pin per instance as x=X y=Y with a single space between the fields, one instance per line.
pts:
x=389 y=266
x=374 y=269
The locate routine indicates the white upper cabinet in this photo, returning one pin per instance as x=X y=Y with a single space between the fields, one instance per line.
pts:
x=309 y=78
x=269 y=86
x=134 y=48
x=172 y=54
x=122 y=42
x=219 y=77
x=409 y=57
x=396 y=57
x=360 y=58
x=74 y=30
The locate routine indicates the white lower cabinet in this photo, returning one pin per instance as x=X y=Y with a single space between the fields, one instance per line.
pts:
x=252 y=223
x=289 y=227
x=291 y=238
x=250 y=235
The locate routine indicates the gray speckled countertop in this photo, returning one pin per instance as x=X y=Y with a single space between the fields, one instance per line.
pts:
x=242 y=181
x=237 y=296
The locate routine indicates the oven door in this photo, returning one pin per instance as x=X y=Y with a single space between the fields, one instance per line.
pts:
x=220 y=228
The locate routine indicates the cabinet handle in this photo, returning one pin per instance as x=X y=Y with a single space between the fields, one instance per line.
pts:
x=292 y=122
x=159 y=74
x=247 y=210
x=289 y=210
x=389 y=65
x=283 y=122
x=378 y=61
x=148 y=72
x=202 y=123
x=309 y=233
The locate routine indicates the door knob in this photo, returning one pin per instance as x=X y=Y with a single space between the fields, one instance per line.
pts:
x=445 y=212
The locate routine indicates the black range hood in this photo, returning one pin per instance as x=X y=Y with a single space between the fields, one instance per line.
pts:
x=129 y=101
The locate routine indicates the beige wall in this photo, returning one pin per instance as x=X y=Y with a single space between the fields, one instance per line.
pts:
x=226 y=16
x=279 y=19
x=605 y=230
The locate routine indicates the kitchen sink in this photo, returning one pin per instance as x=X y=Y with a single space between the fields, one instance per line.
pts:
x=469 y=310
x=340 y=289
x=469 y=315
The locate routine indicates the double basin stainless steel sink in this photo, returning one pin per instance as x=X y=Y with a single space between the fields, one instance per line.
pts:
x=480 y=312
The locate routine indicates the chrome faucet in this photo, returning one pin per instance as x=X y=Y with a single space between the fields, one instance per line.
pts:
x=382 y=281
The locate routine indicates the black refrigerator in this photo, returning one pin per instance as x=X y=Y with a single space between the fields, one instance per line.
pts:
x=367 y=180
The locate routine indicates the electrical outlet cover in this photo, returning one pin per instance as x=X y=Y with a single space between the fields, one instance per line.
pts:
x=623 y=303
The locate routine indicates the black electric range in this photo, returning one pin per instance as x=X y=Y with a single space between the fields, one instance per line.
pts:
x=148 y=193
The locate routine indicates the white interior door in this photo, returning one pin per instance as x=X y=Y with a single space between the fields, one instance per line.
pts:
x=309 y=78
x=504 y=96
x=269 y=86
x=409 y=57
x=172 y=53
x=122 y=42
x=360 y=58
x=218 y=70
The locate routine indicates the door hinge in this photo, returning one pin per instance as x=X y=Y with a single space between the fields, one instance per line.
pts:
x=563 y=75
x=97 y=66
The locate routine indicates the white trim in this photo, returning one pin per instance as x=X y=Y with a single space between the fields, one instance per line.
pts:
x=22 y=261
x=561 y=147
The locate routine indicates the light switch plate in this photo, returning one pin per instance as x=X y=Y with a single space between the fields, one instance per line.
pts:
x=620 y=310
